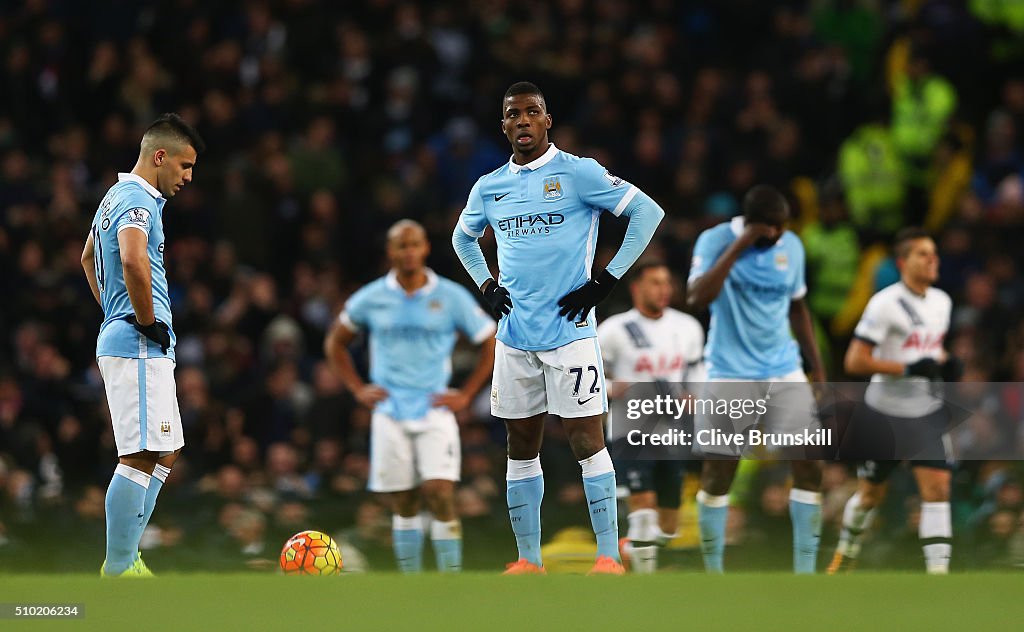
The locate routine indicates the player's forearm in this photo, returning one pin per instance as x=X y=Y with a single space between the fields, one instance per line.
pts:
x=484 y=368
x=644 y=216
x=138 y=280
x=341 y=362
x=864 y=365
x=472 y=257
x=89 y=266
x=704 y=289
x=803 y=329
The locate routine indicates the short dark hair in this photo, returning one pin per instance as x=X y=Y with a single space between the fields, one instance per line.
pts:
x=522 y=87
x=901 y=242
x=171 y=125
x=764 y=203
x=642 y=267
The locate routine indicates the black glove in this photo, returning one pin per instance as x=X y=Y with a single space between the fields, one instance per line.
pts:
x=925 y=367
x=498 y=299
x=579 y=302
x=158 y=332
x=952 y=369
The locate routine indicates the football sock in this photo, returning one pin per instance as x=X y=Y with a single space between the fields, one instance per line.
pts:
x=712 y=514
x=156 y=483
x=936 y=533
x=856 y=521
x=599 y=487
x=805 y=511
x=524 y=482
x=664 y=538
x=125 y=508
x=446 y=538
x=407 y=542
x=643 y=535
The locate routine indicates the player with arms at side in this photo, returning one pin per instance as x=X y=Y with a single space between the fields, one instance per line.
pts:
x=750 y=271
x=124 y=263
x=898 y=342
x=544 y=206
x=412 y=317
x=652 y=343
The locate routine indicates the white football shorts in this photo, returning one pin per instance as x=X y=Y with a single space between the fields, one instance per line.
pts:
x=143 y=404
x=405 y=453
x=789 y=404
x=567 y=381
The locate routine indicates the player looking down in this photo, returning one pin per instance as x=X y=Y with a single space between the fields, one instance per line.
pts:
x=124 y=264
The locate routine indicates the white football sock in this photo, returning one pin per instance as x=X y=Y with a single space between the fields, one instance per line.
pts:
x=856 y=521
x=642 y=534
x=936 y=533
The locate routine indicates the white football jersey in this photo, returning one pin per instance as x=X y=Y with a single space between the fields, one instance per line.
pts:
x=636 y=348
x=904 y=327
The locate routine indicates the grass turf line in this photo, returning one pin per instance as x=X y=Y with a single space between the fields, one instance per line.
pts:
x=751 y=601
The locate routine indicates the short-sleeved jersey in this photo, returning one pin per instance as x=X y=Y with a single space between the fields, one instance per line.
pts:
x=636 y=348
x=749 y=336
x=545 y=218
x=904 y=327
x=131 y=204
x=411 y=337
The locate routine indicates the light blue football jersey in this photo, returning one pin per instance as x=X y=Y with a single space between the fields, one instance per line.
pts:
x=412 y=337
x=545 y=218
x=749 y=335
x=131 y=204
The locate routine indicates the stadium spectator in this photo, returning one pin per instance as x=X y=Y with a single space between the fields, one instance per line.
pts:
x=327 y=121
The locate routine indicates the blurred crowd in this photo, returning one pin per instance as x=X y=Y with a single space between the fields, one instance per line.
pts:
x=326 y=122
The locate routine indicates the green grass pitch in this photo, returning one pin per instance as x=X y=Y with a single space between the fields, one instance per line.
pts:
x=485 y=601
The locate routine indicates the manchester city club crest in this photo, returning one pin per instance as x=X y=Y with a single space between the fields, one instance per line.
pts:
x=552 y=188
x=781 y=261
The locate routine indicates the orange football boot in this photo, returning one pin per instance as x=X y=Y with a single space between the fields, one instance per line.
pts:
x=605 y=565
x=524 y=567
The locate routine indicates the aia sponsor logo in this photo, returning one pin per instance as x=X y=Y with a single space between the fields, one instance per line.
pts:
x=923 y=341
x=658 y=365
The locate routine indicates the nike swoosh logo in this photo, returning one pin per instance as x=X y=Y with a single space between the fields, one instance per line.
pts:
x=517 y=506
x=497 y=198
x=583 y=401
x=594 y=502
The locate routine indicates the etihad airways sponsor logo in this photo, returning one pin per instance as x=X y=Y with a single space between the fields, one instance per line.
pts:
x=530 y=225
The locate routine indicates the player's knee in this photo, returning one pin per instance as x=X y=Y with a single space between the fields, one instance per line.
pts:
x=434 y=490
x=522 y=447
x=871 y=496
x=716 y=476
x=586 y=437
x=439 y=497
x=935 y=491
x=168 y=460
x=406 y=504
x=141 y=461
x=807 y=475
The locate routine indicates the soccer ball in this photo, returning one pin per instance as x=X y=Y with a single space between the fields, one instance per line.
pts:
x=310 y=553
